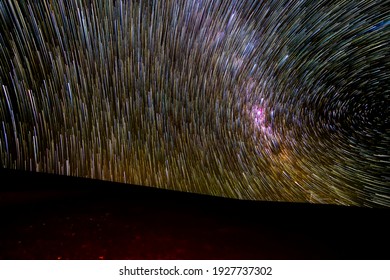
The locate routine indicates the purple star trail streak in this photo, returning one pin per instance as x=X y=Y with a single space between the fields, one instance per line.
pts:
x=261 y=100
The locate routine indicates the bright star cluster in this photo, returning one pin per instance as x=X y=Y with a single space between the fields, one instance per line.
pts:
x=262 y=100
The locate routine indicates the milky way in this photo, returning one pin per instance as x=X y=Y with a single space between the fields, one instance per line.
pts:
x=262 y=100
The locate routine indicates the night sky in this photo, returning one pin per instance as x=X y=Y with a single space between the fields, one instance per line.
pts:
x=257 y=100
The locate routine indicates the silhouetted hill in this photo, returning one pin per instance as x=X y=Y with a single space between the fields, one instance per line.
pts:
x=46 y=216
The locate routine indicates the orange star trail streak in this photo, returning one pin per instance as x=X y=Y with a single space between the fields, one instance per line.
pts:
x=257 y=100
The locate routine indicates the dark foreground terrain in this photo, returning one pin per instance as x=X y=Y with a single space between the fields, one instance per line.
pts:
x=46 y=216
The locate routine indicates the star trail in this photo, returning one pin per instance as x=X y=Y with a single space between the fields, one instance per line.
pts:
x=261 y=100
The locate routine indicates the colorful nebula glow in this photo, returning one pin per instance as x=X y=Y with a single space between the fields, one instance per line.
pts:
x=261 y=100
